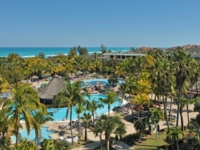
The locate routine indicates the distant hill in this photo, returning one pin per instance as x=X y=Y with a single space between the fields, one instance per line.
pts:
x=190 y=48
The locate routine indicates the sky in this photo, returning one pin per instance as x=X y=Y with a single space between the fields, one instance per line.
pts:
x=90 y=23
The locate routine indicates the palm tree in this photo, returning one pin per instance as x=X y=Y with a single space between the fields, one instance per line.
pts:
x=183 y=70
x=94 y=105
x=24 y=101
x=109 y=124
x=120 y=130
x=41 y=118
x=139 y=101
x=195 y=127
x=70 y=97
x=155 y=116
x=161 y=77
x=86 y=118
x=79 y=109
x=98 y=130
x=139 y=126
x=26 y=144
x=110 y=99
x=174 y=135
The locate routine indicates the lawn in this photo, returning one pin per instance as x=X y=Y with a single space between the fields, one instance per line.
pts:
x=150 y=143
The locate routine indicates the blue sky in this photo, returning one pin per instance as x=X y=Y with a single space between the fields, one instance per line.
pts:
x=66 y=23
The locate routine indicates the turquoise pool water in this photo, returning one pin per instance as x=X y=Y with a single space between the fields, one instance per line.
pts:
x=59 y=114
x=45 y=134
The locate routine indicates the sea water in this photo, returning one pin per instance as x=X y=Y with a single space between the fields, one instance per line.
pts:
x=50 y=51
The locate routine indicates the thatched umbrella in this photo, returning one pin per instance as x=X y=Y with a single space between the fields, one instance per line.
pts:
x=53 y=88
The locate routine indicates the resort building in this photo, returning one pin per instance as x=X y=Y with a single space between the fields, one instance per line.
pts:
x=120 y=56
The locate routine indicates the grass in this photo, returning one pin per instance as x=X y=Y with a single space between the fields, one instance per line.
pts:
x=150 y=143
x=81 y=142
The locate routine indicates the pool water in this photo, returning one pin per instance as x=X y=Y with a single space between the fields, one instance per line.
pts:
x=45 y=134
x=60 y=113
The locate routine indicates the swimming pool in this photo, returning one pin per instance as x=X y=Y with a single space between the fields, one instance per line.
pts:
x=60 y=113
x=45 y=134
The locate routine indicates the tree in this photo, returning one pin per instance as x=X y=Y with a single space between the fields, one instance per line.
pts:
x=41 y=55
x=162 y=78
x=120 y=130
x=94 y=105
x=41 y=118
x=195 y=127
x=155 y=116
x=183 y=102
x=26 y=144
x=174 y=135
x=51 y=144
x=109 y=99
x=70 y=97
x=24 y=100
x=86 y=118
x=98 y=130
x=103 y=49
x=113 y=80
x=181 y=64
x=109 y=124
x=139 y=101
x=82 y=50
x=139 y=126
x=79 y=109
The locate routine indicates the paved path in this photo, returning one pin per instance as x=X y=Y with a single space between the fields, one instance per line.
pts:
x=121 y=145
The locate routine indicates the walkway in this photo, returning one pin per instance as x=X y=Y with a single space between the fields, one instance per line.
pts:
x=121 y=145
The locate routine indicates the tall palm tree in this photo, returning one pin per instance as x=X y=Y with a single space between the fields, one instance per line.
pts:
x=174 y=135
x=155 y=116
x=109 y=99
x=86 y=118
x=98 y=130
x=139 y=126
x=161 y=75
x=41 y=118
x=183 y=70
x=94 y=105
x=70 y=97
x=139 y=101
x=24 y=101
x=109 y=124
x=120 y=130
x=79 y=109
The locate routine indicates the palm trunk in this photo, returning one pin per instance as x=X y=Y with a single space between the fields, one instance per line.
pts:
x=138 y=114
x=71 y=125
x=170 y=109
x=181 y=115
x=86 y=125
x=156 y=131
x=93 y=117
x=108 y=110
x=100 y=136
x=78 y=124
x=177 y=146
x=17 y=132
x=165 y=112
x=197 y=86
x=188 y=117
x=108 y=143
x=178 y=106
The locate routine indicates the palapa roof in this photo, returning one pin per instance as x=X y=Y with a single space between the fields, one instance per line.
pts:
x=53 y=88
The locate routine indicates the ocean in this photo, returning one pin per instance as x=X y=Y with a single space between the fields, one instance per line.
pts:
x=50 y=51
